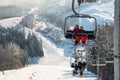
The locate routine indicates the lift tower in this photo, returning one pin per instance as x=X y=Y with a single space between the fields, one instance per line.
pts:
x=117 y=41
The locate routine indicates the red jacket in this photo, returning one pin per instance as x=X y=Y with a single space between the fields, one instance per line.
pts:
x=78 y=37
x=75 y=30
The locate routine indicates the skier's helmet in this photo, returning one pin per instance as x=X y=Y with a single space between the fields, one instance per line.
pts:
x=77 y=26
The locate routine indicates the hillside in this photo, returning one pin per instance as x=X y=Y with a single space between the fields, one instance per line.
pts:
x=55 y=65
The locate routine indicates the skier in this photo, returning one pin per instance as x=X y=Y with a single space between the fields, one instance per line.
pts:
x=77 y=37
x=83 y=37
x=76 y=29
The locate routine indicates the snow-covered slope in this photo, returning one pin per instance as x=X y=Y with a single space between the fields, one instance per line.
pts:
x=10 y=22
x=103 y=10
x=45 y=72
x=55 y=64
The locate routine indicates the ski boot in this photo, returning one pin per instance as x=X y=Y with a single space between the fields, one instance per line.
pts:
x=75 y=72
x=81 y=73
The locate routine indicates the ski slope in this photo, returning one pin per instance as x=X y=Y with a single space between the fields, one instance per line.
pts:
x=52 y=67
x=45 y=72
x=55 y=64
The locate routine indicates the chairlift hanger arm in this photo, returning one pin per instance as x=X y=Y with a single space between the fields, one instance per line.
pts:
x=73 y=2
x=73 y=7
x=79 y=3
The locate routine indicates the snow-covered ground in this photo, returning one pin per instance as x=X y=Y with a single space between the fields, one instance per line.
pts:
x=57 y=50
x=53 y=66
x=45 y=72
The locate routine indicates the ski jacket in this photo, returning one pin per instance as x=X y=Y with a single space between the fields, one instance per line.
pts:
x=83 y=38
x=75 y=30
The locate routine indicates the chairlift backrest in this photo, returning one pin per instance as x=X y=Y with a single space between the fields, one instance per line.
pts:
x=91 y=35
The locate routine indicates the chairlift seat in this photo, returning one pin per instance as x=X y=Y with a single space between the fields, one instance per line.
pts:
x=90 y=34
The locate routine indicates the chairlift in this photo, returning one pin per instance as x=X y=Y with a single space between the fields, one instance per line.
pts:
x=91 y=35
